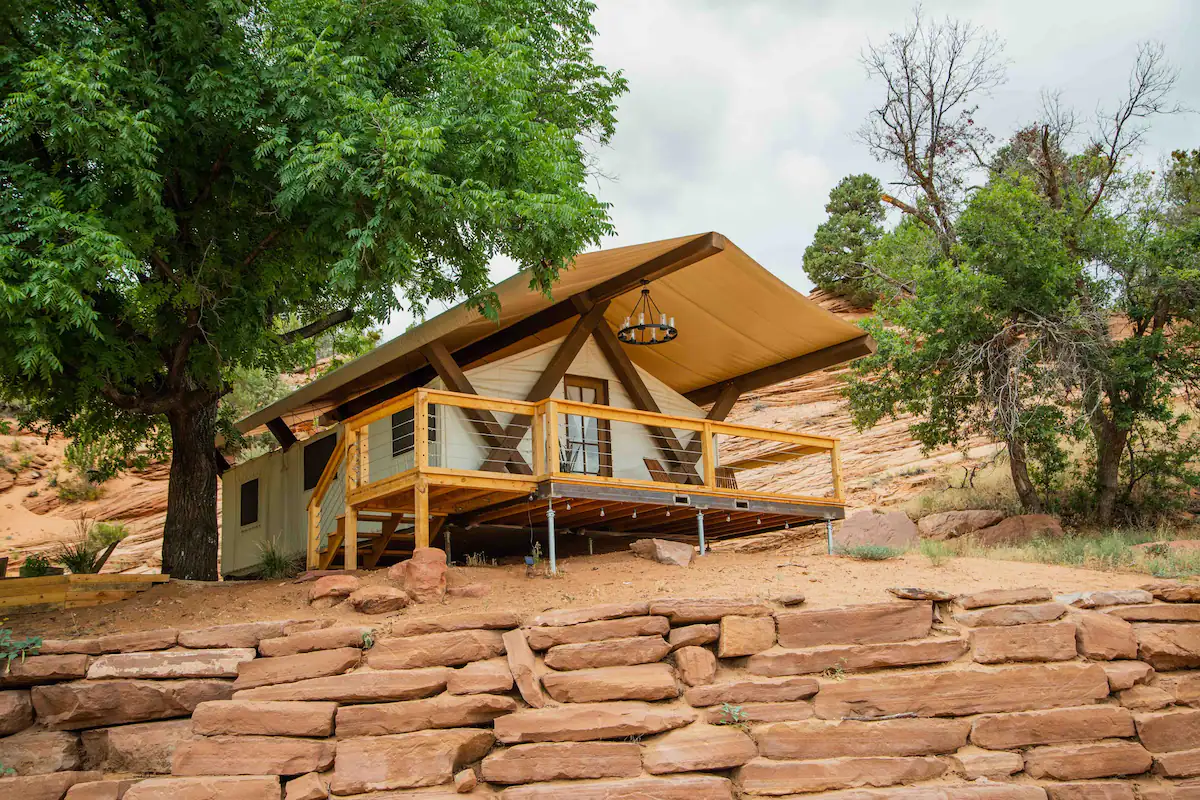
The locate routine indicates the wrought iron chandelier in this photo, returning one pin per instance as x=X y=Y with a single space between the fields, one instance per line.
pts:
x=647 y=324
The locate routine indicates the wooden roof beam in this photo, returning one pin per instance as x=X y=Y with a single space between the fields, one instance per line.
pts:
x=786 y=370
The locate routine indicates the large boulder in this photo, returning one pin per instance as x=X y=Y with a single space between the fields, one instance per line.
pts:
x=680 y=554
x=1018 y=530
x=952 y=524
x=423 y=576
x=871 y=527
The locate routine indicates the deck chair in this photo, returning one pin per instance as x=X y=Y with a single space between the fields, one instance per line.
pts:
x=726 y=478
x=657 y=473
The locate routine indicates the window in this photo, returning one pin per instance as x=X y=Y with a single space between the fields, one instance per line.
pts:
x=316 y=456
x=249 y=503
x=586 y=448
x=403 y=433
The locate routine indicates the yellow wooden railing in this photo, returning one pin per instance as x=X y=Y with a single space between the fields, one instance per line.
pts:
x=701 y=463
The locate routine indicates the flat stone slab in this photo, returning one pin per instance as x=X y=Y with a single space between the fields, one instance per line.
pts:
x=251 y=755
x=581 y=722
x=1005 y=597
x=534 y=763
x=288 y=669
x=364 y=686
x=870 y=623
x=244 y=634
x=545 y=637
x=754 y=713
x=256 y=787
x=752 y=690
x=52 y=786
x=1051 y=727
x=41 y=670
x=816 y=739
x=35 y=751
x=1169 y=647
x=1158 y=612
x=311 y=641
x=673 y=787
x=165 y=664
x=448 y=623
x=16 y=711
x=1108 y=597
x=264 y=718
x=1051 y=641
x=94 y=704
x=1011 y=615
x=1169 y=731
x=762 y=776
x=685 y=611
x=481 y=677
x=611 y=653
x=577 y=616
x=744 y=636
x=1073 y=762
x=963 y=692
x=1174 y=591
x=1101 y=637
x=443 y=711
x=856 y=658
x=697 y=748
x=693 y=635
x=641 y=682
x=436 y=649
x=407 y=760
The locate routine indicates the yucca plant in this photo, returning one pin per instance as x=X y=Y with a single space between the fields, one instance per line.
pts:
x=276 y=564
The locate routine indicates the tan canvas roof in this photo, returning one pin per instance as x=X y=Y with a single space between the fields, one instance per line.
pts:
x=734 y=318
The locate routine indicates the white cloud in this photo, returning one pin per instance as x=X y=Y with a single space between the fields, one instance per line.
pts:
x=742 y=114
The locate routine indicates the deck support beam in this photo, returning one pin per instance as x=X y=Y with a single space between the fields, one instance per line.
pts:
x=550 y=534
x=350 y=543
x=421 y=513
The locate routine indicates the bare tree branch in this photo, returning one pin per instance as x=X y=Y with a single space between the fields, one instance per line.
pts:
x=319 y=326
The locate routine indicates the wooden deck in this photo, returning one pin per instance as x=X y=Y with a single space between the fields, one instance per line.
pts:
x=514 y=486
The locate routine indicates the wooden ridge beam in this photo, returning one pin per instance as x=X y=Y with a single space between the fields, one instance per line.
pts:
x=786 y=370
x=483 y=421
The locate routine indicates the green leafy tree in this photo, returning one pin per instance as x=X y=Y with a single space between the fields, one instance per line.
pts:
x=178 y=177
x=836 y=261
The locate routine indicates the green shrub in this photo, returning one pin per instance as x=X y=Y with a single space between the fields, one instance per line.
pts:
x=104 y=534
x=937 y=552
x=11 y=649
x=275 y=564
x=35 y=566
x=870 y=552
x=77 y=489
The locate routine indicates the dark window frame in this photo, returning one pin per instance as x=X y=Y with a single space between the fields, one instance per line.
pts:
x=248 y=511
x=603 y=427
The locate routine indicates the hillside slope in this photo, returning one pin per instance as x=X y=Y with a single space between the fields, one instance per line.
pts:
x=882 y=466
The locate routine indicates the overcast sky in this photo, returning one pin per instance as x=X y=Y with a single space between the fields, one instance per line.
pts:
x=742 y=114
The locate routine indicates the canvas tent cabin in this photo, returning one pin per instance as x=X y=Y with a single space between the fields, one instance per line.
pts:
x=480 y=434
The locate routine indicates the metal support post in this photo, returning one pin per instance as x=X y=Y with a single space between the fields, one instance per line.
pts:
x=550 y=527
x=700 y=529
x=829 y=535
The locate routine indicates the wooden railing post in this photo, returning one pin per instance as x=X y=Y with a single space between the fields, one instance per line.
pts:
x=314 y=534
x=421 y=429
x=835 y=461
x=553 y=462
x=708 y=453
x=539 y=441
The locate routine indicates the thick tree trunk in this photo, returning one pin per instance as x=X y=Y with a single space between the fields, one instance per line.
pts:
x=1018 y=467
x=1110 y=445
x=190 y=540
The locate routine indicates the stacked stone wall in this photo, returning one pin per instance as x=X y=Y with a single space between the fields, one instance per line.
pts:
x=1009 y=695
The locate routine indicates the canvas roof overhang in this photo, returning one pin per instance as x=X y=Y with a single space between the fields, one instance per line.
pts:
x=738 y=324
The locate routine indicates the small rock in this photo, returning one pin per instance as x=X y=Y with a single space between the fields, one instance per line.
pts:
x=465 y=781
x=679 y=554
x=696 y=665
x=307 y=787
x=333 y=587
x=973 y=764
x=378 y=599
x=693 y=635
x=790 y=599
x=468 y=590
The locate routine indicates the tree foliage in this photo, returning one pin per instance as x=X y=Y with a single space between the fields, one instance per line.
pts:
x=1054 y=302
x=836 y=259
x=176 y=178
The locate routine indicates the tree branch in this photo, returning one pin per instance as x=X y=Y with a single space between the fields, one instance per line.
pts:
x=317 y=327
x=896 y=202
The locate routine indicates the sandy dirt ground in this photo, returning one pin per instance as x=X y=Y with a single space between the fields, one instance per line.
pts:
x=587 y=580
